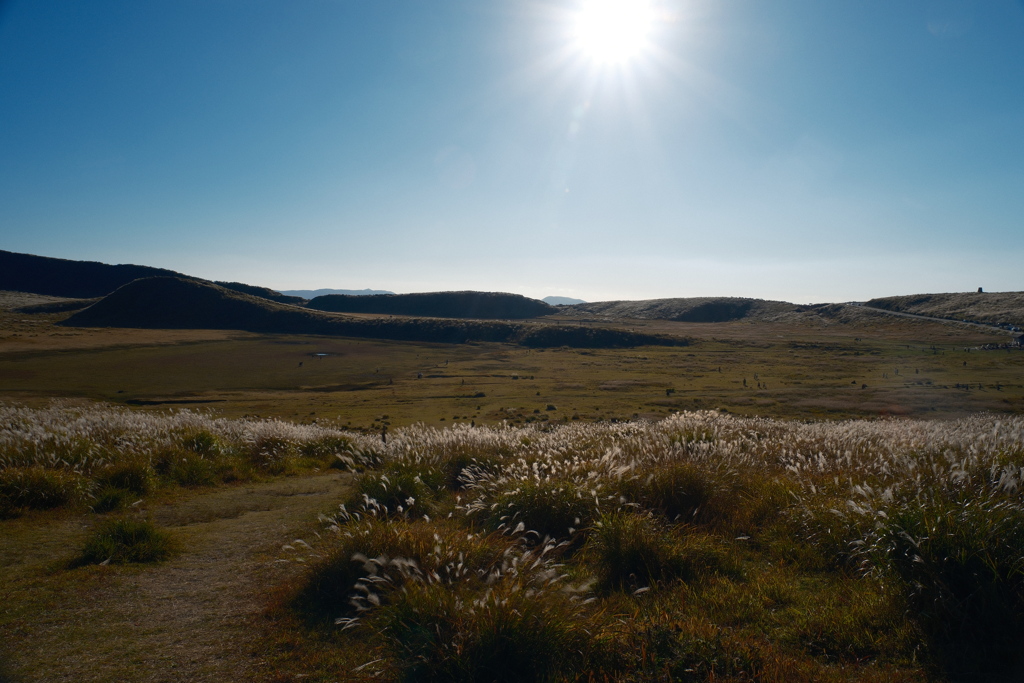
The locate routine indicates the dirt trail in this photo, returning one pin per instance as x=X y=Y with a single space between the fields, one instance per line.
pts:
x=190 y=619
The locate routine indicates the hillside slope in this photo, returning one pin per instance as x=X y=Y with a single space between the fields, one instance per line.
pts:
x=66 y=278
x=997 y=308
x=262 y=292
x=91 y=279
x=180 y=303
x=695 y=310
x=479 y=305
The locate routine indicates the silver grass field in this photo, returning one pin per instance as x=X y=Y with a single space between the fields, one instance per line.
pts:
x=703 y=546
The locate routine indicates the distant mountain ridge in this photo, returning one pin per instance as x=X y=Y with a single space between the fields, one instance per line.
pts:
x=313 y=293
x=562 y=301
x=479 y=305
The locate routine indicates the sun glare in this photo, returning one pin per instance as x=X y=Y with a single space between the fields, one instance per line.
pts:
x=613 y=31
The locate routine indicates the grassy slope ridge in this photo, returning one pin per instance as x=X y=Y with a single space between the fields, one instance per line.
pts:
x=63 y=277
x=262 y=292
x=995 y=307
x=485 y=305
x=178 y=303
x=91 y=279
x=696 y=309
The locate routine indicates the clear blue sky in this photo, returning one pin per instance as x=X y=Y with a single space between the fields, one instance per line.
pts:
x=794 y=149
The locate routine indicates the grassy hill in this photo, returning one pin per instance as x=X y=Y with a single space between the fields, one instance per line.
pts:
x=181 y=303
x=993 y=307
x=62 y=277
x=696 y=310
x=480 y=305
x=91 y=279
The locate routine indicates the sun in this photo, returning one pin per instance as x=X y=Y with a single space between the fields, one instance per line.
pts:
x=613 y=31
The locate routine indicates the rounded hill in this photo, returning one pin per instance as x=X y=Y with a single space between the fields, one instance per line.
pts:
x=995 y=308
x=691 y=310
x=479 y=305
x=179 y=303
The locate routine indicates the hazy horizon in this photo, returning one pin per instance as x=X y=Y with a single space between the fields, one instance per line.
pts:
x=593 y=149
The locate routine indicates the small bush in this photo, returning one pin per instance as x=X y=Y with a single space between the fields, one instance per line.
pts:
x=202 y=443
x=439 y=547
x=267 y=450
x=123 y=541
x=508 y=634
x=399 y=489
x=682 y=492
x=463 y=469
x=111 y=498
x=961 y=565
x=630 y=551
x=192 y=470
x=38 y=488
x=134 y=476
x=553 y=509
x=327 y=450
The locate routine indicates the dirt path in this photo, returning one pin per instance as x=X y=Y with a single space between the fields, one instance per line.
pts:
x=190 y=619
x=971 y=323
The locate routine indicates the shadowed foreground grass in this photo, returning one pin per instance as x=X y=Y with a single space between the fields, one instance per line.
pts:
x=702 y=547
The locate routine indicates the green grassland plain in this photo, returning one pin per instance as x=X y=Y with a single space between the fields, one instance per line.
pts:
x=882 y=366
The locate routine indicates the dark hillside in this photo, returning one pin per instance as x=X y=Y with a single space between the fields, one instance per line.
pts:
x=90 y=279
x=62 y=277
x=997 y=308
x=183 y=303
x=479 y=305
x=180 y=303
x=262 y=292
x=693 y=310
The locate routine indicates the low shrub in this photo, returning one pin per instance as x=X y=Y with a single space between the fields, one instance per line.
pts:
x=135 y=476
x=464 y=469
x=202 y=442
x=189 y=469
x=630 y=551
x=400 y=488
x=960 y=563
x=39 y=488
x=267 y=449
x=326 y=451
x=439 y=548
x=111 y=498
x=510 y=633
x=683 y=492
x=127 y=540
x=549 y=508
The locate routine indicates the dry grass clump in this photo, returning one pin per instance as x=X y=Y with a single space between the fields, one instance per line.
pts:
x=39 y=488
x=544 y=509
x=702 y=547
x=629 y=551
x=127 y=540
x=514 y=632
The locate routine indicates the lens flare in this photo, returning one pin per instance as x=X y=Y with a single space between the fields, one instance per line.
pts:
x=613 y=31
